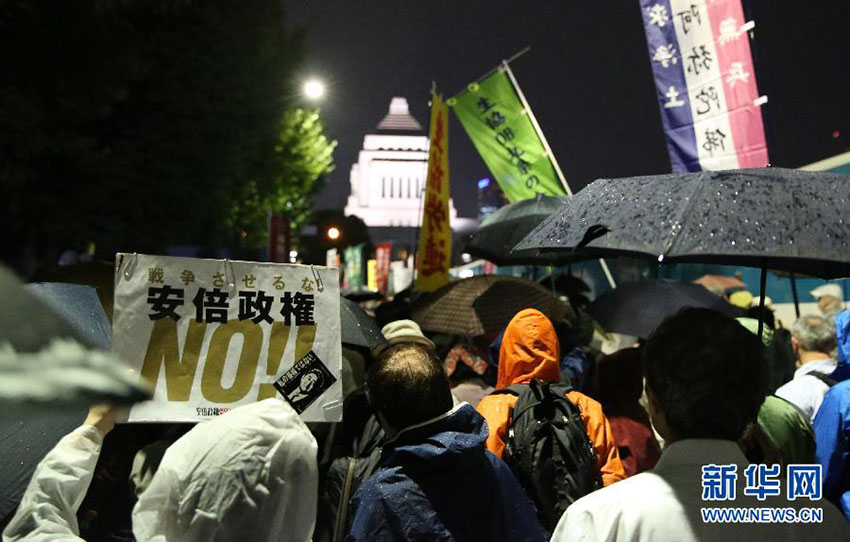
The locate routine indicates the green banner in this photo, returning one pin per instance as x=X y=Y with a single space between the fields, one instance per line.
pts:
x=355 y=271
x=493 y=116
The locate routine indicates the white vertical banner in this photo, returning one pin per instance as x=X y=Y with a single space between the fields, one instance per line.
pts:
x=211 y=335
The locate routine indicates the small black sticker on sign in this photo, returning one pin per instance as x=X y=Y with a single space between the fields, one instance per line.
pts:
x=305 y=382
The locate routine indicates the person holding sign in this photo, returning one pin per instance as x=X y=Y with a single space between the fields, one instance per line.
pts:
x=249 y=474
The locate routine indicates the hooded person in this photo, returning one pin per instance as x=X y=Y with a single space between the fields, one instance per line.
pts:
x=437 y=480
x=249 y=474
x=842 y=336
x=530 y=350
x=832 y=432
x=832 y=424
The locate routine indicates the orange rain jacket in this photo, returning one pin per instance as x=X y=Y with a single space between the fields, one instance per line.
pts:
x=530 y=350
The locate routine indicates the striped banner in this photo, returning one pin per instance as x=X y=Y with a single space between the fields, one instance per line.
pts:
x=706 y=83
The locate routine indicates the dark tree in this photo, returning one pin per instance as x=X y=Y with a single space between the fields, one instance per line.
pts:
x=135 y=124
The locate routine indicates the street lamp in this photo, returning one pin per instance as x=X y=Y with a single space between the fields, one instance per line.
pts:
x=314 y=89
x=333 y=233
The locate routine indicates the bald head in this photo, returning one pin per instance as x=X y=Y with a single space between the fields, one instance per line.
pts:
x=407 y=386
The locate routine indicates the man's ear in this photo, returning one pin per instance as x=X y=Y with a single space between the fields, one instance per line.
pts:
x=657 y=417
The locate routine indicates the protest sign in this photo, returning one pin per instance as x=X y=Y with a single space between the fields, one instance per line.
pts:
x=211 y=335
x=434 y=256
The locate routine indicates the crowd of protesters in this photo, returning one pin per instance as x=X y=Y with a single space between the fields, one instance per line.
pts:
x=531 y=435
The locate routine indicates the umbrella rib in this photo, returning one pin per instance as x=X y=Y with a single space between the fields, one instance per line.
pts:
x=675 y=237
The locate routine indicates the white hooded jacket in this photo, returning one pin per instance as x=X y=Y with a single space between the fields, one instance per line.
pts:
x=250 y=474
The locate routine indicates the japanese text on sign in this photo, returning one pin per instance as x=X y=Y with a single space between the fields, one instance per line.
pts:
x=211 y=335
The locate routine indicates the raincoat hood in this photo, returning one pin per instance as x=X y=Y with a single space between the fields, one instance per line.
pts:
x=529 y=350
x=453 y=439
x=248 y=475
x=842 y=331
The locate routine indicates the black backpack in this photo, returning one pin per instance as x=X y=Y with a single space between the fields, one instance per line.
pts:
x=548 y=449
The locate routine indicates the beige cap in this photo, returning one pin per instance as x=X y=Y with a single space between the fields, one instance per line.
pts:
x=403 y=331
x=828 y=289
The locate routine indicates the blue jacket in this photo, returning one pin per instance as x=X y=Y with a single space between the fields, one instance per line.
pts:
x=438 y=482
x=842 y=332
x=832 y=432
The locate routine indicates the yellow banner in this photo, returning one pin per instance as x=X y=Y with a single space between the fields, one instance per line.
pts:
x=372 y=275
x=434 y=256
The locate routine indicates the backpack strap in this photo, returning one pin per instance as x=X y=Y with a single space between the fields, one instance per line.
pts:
x=514 y=390
x=517 y=389
x=823 y=377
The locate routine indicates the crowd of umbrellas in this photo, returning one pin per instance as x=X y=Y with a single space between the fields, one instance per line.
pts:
x=771 y=219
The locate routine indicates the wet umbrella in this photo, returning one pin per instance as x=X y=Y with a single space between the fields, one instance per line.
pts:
x=499 y=232
x=55 y=357
x=358 y=328
x=483 y=304
x=50 y=404
x=768 y=218
x=636 y=308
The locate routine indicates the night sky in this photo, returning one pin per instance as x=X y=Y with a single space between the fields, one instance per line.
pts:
x=587 y=78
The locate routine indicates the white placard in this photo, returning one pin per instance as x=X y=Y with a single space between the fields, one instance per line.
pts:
x=211 y=335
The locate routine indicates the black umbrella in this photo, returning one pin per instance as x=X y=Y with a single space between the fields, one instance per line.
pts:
x=769 y=218
x=499 y=232
x=55 y=356
x=27 y=430
x=358 y=328
x=779 y=218
x=636 y=308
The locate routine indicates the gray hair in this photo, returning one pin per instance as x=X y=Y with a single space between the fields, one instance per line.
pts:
x=814 y=333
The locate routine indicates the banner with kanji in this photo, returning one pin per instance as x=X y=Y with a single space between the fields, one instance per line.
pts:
x=434 y=255
x=383 y=254
x=279 y=239
x=496 y=121
x=706 y=84
x=211 y=335
x=355 y=270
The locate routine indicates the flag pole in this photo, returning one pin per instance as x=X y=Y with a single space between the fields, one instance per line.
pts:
x=506 y=66
x=491 y=72
x=533 y=119
x=422 y=199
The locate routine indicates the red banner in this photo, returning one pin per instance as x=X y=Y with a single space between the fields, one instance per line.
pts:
x=383 y=253
x=279 y=239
